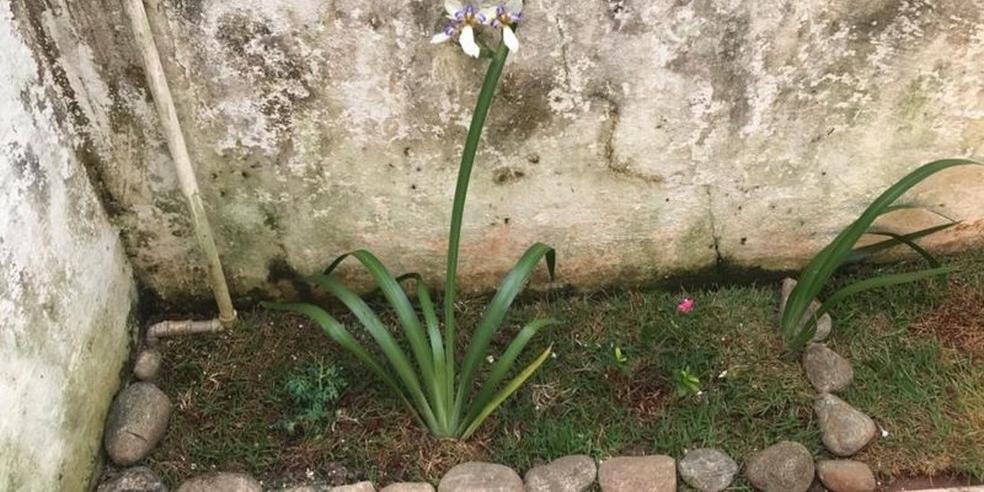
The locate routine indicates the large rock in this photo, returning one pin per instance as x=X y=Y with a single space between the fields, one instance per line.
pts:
x=824 y=325
x=843 y=428
x=136 y=479
x=631 y=474
x=827 y=371
x=707 y=470
x=567 y=474
x=846 y=476
x=480 y=477
x=136 y=423
x=783 y=467
x=408 y=487
x=221 y=482
x=355 y=487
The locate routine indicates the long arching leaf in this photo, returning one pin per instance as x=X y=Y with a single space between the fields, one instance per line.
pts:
x=878 y=282
x=508 y=390
x=397 y=298
x=819 y=270
x=337 y=332
x=496 y=312
x=872 y=283
x=443 y=384
x=911 y=244
x=397 y=359
x=504 y=365
x=864 y=252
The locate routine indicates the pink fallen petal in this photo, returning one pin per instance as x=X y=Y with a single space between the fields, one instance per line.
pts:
x=686 y=305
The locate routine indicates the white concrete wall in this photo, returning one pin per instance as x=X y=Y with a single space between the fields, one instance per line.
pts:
x=640 y=137
x=66 y=290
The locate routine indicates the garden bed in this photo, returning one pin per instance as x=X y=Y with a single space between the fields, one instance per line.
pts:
x=917 y=352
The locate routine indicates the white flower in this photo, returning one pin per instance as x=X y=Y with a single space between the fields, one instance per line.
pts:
x=490 y=359
x=463 y=19
x=506 y=15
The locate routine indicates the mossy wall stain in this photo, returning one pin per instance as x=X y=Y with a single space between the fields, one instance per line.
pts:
x=66 y=288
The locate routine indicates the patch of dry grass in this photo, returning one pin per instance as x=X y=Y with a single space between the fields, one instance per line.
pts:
x=958 y=323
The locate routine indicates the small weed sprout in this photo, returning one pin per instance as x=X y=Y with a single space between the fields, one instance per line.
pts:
x=687 y=383
x=314 y=389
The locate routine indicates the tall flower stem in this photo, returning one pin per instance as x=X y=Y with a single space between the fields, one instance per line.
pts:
x=460 y=193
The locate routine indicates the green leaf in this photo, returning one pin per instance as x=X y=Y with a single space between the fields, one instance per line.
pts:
x=408 y=319
x=819 y=270
x=442 y=380
x=341 y=336
x=492 y=77
x=910 y=243
x=865 y=252
x=912 y=206
x=496 y=312
x=505 y=364
x=504 y=394
x=387 y=344
x=872 y=283
x=878 y=282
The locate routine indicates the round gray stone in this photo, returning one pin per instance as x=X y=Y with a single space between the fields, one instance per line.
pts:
x=783 y=467
x=707 y=470
x=846 y=476
x=148 y=364
x=827 y=371
x=136 y=479
x=137 y=422
x=567 y=474
x=824 y=325
x=221 y=482
x=844 y=429
x=408 y=487
x=630 y=474
x=480 y=477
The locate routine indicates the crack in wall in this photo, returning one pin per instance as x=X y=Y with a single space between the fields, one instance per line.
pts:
x=718 y=257
x=621 y=168
x=565 y=61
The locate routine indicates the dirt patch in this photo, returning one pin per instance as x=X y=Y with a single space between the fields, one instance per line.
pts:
x=958 y=323
x=230 y=405
x=644 y=391
x=922 y=483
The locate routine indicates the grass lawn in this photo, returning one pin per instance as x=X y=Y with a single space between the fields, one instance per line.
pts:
x=918 y=354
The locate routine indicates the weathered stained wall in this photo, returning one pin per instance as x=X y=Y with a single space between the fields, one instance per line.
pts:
x=66 y=290
x=640 y=137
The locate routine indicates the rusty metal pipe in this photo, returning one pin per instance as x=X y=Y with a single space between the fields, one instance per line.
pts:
x=166 y=329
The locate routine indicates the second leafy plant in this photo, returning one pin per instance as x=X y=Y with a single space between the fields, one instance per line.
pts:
x=798 y=323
